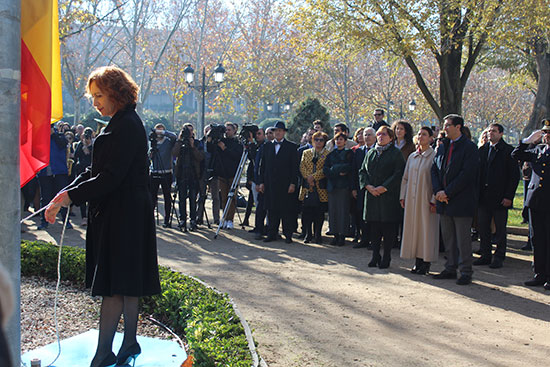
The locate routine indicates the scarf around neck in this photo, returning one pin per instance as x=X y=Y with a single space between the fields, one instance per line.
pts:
x=381 y=148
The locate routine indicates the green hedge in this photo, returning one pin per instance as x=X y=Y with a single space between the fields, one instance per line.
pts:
x=204 y=317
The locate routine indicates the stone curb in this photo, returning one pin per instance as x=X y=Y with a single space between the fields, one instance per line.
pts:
x=258 y=362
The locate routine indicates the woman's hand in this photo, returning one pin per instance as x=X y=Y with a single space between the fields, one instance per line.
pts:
x=372 y=190
x=433 y=208
x=380 y=190
x=62 y=199
x=402 y=202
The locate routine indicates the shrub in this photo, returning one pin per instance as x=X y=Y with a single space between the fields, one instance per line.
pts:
x=204 y=317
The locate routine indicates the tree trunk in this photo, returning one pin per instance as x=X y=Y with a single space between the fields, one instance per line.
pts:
x=541 y=105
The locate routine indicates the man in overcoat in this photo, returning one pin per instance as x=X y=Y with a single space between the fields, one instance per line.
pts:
x=278 y=179
x=498 y=179
x=455 y=174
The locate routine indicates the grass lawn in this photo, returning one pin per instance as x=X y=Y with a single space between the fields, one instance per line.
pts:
x=514 y=215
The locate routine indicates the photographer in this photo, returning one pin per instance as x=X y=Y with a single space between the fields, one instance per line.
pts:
x=189 y=156
x=160 y=152
x=226 y=155
x=252 y=137
x=82 y=160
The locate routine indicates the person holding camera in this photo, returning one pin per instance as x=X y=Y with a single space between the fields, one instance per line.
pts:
x=161 y=144
x=189 y=156
x=83 y=160
x=226 y=155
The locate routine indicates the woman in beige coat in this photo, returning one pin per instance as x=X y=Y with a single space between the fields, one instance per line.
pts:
x=420 y=238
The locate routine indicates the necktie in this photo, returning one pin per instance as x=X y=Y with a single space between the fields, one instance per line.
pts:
x=450 y=153
x=491 y=153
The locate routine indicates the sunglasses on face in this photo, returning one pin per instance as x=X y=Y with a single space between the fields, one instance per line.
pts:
x=319 y=139
x=377 y=114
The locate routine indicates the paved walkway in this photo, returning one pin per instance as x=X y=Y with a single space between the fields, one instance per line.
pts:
x=315 y=305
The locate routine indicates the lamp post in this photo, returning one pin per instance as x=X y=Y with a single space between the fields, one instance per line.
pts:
x=189 y=73
x=270 y=107
x=412 y=107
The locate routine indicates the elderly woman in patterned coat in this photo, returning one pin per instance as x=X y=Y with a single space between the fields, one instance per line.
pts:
x=313 y=193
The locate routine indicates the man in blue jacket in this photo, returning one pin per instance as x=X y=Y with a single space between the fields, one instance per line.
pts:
x=455 y=174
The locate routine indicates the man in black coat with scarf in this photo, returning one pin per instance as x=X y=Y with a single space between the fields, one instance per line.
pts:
x=278 y=180
x=499 y=178
x=455 y=185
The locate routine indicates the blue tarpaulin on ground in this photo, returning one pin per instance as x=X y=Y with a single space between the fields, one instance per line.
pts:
x=79 y=350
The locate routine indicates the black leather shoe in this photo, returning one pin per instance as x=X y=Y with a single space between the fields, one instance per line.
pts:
x=301 y=236
x=308 y=239
x=482 y=261
x=360 y=245
x=166 y=225
x=384 y=264
x=496 y=264
x=334 y=241
x=445 y=274
x=258 y=236
x=537 y=280
x=547 y=286
x=269 y=239
x=464 y=280
x=424 y=268
x=374 y=262
x=288 y=239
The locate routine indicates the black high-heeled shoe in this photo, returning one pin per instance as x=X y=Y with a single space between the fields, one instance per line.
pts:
x=424 y=268
x=374 y=262
x=109 y=361
x=129 y=355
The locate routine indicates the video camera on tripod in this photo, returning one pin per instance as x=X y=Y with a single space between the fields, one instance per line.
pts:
x=247 y=134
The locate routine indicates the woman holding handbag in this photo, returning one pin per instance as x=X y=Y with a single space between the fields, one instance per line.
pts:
x=313 y=193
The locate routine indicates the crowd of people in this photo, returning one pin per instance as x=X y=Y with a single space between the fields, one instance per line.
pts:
x=384 y=186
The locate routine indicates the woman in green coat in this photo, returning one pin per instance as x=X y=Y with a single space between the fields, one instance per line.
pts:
x=380 y=175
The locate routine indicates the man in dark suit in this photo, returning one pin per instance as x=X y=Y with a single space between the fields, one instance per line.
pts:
x=278 y=179
x=455 y=184
x=357 y=192
x=378 y=119
x=499 y=178
x=538 y=200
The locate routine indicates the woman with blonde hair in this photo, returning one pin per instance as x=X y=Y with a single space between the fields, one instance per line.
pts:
x=121 y=249
x=313 y=193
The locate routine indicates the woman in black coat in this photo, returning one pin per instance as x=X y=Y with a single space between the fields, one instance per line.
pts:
x=121 y=256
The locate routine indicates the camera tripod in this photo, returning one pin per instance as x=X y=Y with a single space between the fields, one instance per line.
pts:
x=233 y=190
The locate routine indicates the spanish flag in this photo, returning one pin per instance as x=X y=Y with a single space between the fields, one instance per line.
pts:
x=41 y=102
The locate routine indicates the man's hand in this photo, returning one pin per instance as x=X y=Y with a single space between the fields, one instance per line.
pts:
x=442 y=196
x=291 y=188
x=221 y=144
x=354 y=194
x=506 y=203
x=191 y=142
x=310 y=181
x=533 y=138
x=402 y=202
x=261 y=188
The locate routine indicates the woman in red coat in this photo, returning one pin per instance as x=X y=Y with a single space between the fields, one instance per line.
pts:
x=121 y=256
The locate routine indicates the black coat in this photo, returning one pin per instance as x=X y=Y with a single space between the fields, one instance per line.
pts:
x=459 y=179
x=337 y=162
x=498 y=175
x=538 y=192
x=121 y=247
x=225 y=162
x=277 y=172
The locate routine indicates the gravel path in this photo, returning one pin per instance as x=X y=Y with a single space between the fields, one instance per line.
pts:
x=316 y=305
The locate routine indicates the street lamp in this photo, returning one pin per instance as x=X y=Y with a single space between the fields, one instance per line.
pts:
x=412 y=105
x=269 y=107
x=287 y=105
x=189 y=74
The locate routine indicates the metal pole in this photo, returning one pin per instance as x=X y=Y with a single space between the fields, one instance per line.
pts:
x=10 y=94
x=203 y=91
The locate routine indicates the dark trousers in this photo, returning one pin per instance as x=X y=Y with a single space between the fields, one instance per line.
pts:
x=225 y=187
x=49 y=187
x=312 y=216
x=187 y=189
x=277 y=215
x=540 y=221
x=458 y=243
x=165 y=182
x=484 y=216
x=261 y=213
x=379 y=230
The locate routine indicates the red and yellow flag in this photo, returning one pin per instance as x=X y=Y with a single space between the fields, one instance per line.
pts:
x=41 y=102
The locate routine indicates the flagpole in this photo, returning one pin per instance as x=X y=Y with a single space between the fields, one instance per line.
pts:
x=10 y=229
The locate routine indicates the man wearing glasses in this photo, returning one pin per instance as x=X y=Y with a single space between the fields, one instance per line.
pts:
x=378 y=119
